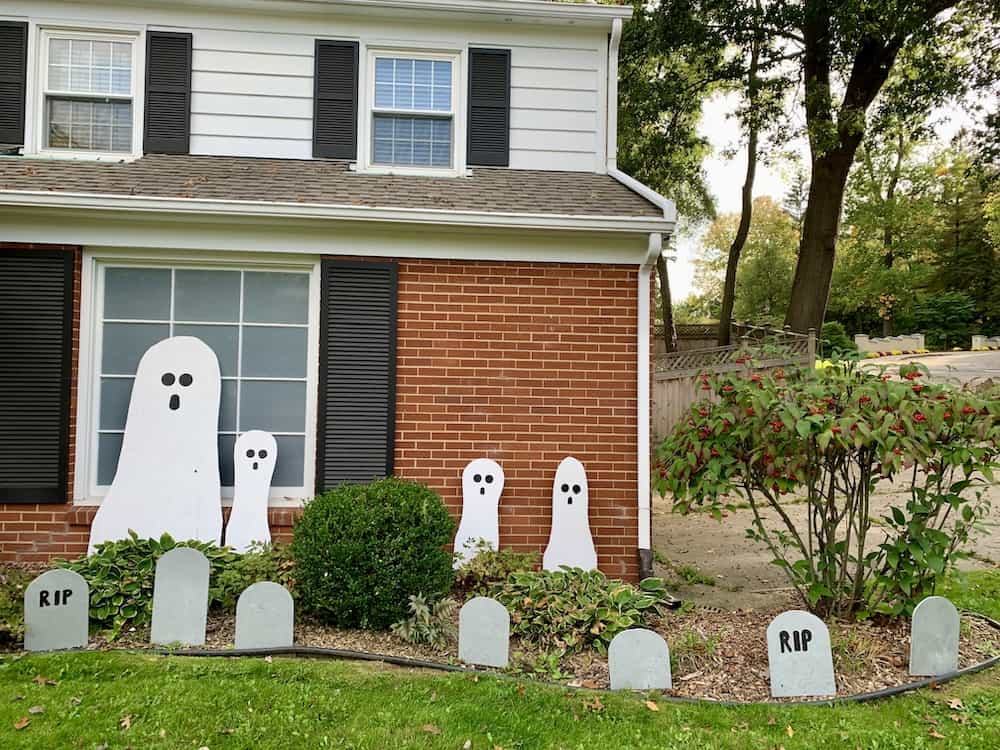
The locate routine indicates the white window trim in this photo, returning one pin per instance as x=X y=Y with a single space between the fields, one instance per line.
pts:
x=35 y=116
x=366 y=109
x=86 y=491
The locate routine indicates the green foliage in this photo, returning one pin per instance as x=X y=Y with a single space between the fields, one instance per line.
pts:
x=120 y=575
x=946 y=319
x=834 y=340
x=262 y=563
x=833 y=435
x=429 y=623
x=13 y=581
x=491 y=566
x=572 y=609
x=361 y=549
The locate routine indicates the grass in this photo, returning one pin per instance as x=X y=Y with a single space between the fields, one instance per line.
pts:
x=117 y=700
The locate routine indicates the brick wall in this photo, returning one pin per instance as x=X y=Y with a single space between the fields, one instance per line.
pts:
x=524 y=363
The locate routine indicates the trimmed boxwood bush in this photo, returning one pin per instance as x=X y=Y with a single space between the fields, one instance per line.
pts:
x=361 y=550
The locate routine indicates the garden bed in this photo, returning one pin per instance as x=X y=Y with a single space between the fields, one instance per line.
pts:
x=716 y=654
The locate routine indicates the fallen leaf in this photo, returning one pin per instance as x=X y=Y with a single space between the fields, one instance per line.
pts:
x=125 y=722
x=432 y=729
x=955 y=704
x=269 y=659
x=959 y=718
x=691 y=676
x=40 y=680
x=467 y=745
x=18 y=698
x=22 y=723
x=36 y=710
x=76 y=700
x=772 y=722
x=651 y=705
x=434 y=697
x=594 y=705
x=228 y=730
x=936 y=734
x=930 y=719
x=789 y=731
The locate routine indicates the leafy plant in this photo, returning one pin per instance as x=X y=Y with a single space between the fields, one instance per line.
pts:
x=835 y=434
x=120 y=575
x=429 y=622
x=13 y=581
x=572 y=609
x=491 y=566
x=360 y=550
x=834 y=340
x=263 y=562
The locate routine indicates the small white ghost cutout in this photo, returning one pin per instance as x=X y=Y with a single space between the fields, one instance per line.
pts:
x=167 y=479
x=570 y=541
x=254 y=458
x=482 y=485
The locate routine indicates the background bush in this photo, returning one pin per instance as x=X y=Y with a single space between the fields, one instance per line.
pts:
x=361 y=550
x=13 y=582
x=492 y=566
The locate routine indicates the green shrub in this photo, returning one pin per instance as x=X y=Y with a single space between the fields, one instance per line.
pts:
x=429 y=622
x=570 y=609
x=491 y=566
x=361 y=550
x=834 y=341
x=13 y=582
x=263 y=562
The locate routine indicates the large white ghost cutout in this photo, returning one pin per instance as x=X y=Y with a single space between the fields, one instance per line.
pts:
x=168 y=469
x=482 y=483
x=570 y=541
x=253 y=458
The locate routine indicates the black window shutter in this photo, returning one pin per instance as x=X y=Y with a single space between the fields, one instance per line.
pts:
x=335 y=100
x=13 y=67
x=36 y=314
x=489 y=107
x=357 y=383
x=167 y=128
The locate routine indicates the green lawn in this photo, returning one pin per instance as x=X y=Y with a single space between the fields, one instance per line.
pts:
x=119 y=700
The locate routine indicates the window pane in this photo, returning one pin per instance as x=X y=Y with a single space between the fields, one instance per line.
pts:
x=275 y=297
x=207 y=295
x=89 y=126
x=59 y=51
x=79 y=79
x=226 y=445
x=115 y=395
x=137 y=293
x=384 y=67
x=125 y=343
x=413 y=84
x=108 y=448
x=274 y=352
x=404 y=96
x=383 y=95
x=288 y=472
x=59 y=77
x=101 y=54
x=272 y=405
x=416 y=140
x=422 y=72
x=121 y=81
x=404 y=71
x=121 y=55
x=220 y=339
x=227 y=407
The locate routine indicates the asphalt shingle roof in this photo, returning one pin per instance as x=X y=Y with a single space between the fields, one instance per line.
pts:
x=330 y=182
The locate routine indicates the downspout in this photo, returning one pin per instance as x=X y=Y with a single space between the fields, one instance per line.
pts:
x=655 y=247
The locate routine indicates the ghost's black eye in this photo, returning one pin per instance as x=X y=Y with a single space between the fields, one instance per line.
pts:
x=185 y=380
x=489 y=479
x=477 y=478
x=167 y=379
x=249 y=454
x=262 y=454
x=565 y=488
x=576 y=489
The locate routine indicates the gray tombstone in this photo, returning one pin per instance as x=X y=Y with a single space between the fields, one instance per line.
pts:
x=180 y=598
x=265 y=616
x=56 y=605
x=799 y=656
x=639 y=660
x=934 y=638
x=484 y=632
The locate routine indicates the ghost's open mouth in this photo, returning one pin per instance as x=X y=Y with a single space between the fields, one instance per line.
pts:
x=175 y=402
x=255 y=466
x=482 y=490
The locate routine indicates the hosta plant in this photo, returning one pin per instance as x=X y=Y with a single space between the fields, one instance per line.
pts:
x=571 y=609
x=832 y=436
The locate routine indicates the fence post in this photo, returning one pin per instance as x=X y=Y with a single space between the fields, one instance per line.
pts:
x=812 y=348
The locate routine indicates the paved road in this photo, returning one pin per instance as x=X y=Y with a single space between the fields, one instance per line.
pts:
x=957 y=367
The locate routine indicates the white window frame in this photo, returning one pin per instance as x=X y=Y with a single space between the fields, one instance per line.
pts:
x=367 y=110
x=86 y=491
x=38 y=116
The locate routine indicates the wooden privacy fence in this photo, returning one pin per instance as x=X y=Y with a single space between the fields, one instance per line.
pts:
x=676 y=376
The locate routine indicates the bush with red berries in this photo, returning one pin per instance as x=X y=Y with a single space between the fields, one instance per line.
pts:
x=831 y=437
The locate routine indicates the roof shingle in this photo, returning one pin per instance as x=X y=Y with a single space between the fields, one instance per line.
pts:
x=330 y=182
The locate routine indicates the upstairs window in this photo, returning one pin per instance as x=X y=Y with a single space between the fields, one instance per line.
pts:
x=88 y=87
x=413 y=111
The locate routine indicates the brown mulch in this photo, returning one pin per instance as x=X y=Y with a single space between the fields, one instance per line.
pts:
x=717 y=655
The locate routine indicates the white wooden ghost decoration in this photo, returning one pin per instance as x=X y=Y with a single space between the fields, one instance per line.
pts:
x=570 y=541
x=168 y=470
x=254 y=458
x=482 y=484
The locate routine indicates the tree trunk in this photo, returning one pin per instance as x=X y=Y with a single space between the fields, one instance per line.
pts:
x=666 y=305
x=814 y=271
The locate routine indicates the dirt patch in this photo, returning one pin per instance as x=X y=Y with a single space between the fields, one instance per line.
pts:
x=708 y=550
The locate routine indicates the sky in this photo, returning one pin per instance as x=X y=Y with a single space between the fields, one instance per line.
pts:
x=725 y=177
